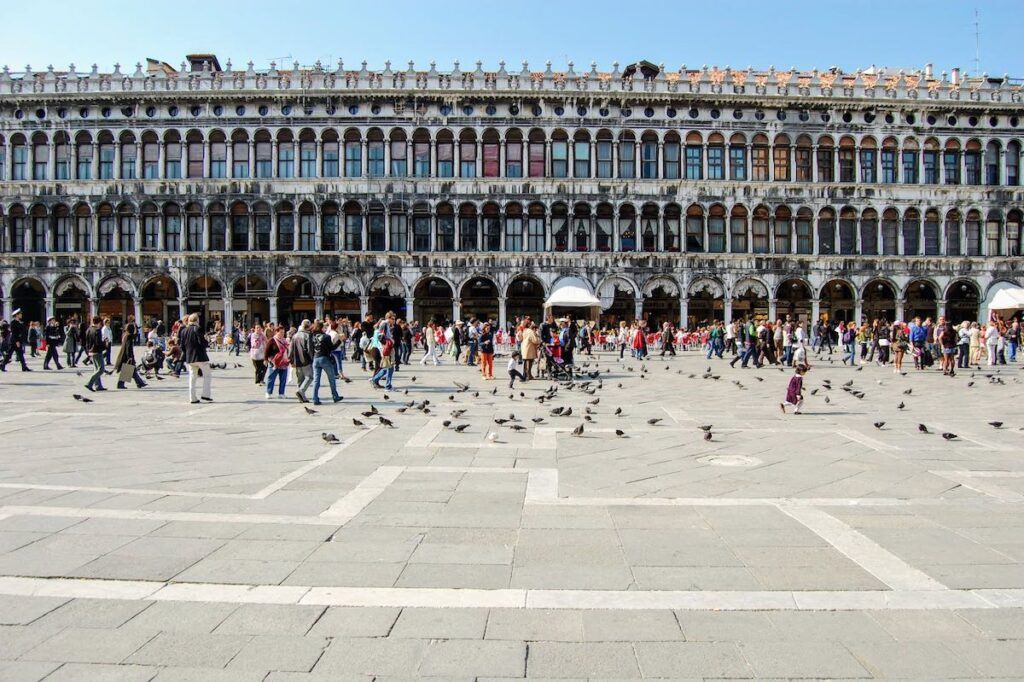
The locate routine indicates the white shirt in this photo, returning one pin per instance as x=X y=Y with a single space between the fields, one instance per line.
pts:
x=107 y=334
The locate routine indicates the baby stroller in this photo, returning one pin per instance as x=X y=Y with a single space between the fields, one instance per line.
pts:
x=556 y=368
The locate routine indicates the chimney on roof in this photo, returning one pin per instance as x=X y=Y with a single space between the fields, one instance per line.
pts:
x=929 y=68
x=956 y=75
x=203 y=62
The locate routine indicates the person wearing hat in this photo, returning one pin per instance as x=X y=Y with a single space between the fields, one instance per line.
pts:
x=19 y=337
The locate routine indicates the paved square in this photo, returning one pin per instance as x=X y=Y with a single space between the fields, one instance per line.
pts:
x=143 y=537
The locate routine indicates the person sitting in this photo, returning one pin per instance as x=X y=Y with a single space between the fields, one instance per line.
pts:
x=152 y=359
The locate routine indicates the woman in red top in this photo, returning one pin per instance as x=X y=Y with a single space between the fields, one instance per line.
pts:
x=277 y=360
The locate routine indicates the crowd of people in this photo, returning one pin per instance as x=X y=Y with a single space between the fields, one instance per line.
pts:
x=313 y=350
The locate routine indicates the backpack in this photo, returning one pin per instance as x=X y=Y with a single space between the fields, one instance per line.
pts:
x=321 y=342
x=364 y=342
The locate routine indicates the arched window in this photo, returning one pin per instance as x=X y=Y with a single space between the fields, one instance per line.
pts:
x=172 y=227
x=445 y=154
x=262 y=224
x=603 y=224
x=737 y=157
x=218 y=155
x=40 y=156
x=468 y=239
x=911 y=232
x=1013 y=163
x=239 y=227
x=847 y=159
x=911 y=152
x=931 y=161
x=285 y=226
x=218 y=228
x=826 y=159
x=535 y=228
x=150 y=228
x=888 y=160
x=931 y=233
x=759 y=161
x=952 y=233
x=627 y=228
x=329 y=229
x=332 y=154
x=760 y=230
x=560 y=154
x=890 y=232
x=467 y=154
x=951 y=162
x=491 y=152
x=671 y=154
x=285 y=154
x=716 y=157
x=107 y=230
x=804 y=231
x=649 y=228
x=649 y=156
x=694 y=156
x=421 y=153
x=129 y=155
x=150 y=156
x=421 y=227
x=972 y=233
x=783 y=230
x=444 y=240
x=627 y=155
x=376 y=227
x=194 y=143
x=18 y=240
x=992 y=152
x=672 y=236
x=581 y=227
x=604 y=155
x=695 y=229
x=194 y=227
x=847 y=232
x=353 y=154
x=107 y=154
x=83 y=144
x=40 y=228
x=514 y=227
x=537 y=154
x=126 y=228
x=1014 y=220
x=172 y=155
x=61 y=156
x=492 y=227
x=869 y=232
x=738 y=242
x=83 y=229
x=972 y=163
x=514 y=154
x=868 y=160
x=804 y=170
x=826 y=232
x=62 y=235
x=560 y=227
x=307 y=227
x=399 y=155
x=353 y=225
x=716 y=226
x=240 y=154
x=375 y=153
x=780 y=158
x=994 y=233
x=581 y=154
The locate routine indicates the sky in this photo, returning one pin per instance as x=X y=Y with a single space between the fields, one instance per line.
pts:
x=849 y=34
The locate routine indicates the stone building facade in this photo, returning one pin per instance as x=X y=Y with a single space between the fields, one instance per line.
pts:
x=686 y=194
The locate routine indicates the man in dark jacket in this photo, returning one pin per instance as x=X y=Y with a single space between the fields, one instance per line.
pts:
x=193 y=346
x=300 y=357
x=94 y=346
x=322 y=346
x=54 y=335
x=19 y=337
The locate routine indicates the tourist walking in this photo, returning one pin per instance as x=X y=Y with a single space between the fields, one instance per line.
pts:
x=17 y=343
x=300 y=359
x=795 y=391
x=96 y=348
x=323 y=361
x=53 y=334
x=194 y=345
x=257 y=352
x=124 y=363
x=277 y=362
x=485 y=346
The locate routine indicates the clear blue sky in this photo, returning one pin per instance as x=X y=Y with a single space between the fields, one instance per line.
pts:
x=759 y=33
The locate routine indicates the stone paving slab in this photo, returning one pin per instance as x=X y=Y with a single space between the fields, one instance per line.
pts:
x=228 y=541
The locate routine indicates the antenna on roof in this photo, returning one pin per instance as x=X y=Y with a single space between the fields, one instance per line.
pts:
x=977 y=43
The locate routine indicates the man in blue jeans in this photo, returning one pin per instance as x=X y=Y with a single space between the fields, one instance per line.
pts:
x=323 y=361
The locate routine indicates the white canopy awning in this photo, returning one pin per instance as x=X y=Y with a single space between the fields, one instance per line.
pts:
x=571 y=292
x=1010 y=298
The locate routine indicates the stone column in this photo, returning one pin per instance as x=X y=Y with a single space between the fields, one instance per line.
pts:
x=364 y=307
x=940 y=308
x=772 y=309
x=50 y=307
x=6 y=306
x=727 y=307
x=410 y=308
x=319 y=306
x=273 y=158
x=252 y=158
x=94 y=306
x=456 y=309
x=501 y=159
x=229 y=312
x=363 y=160
x=899 y=309
x=815 y=310
x=318 y=164
x=501 y=312
x=138 y=313
x=182 y=308
x=161 y=155
x=206 y=160
x=638 y=304
x=229 y=159
x=684 y=312
x=117 y=161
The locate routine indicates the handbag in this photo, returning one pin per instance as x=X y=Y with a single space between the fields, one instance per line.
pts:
x=126 y=373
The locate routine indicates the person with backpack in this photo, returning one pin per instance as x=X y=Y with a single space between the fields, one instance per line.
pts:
x=300 y=359
x=322 y=347
x=384 y=345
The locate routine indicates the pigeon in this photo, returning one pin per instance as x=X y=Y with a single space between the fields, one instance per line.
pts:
x=446 y=423
x=499 y=422
x=413 y=378
x=995 y=425
x=557 y=412
x=588 y=418
x=618 y=411
x=849 y=383
x=78 y=374
x=969 y=384
x=814 y=391
x=595 y=401
x=538 y=420
x=385 y=421
x=568 y=412
x=949 y=436
x=461 y=427
x=401 y=410
x=587 y=410
x=860 y=369
x=358 y=423
x=387 y=397
x=461 y=387
x=309 y=410
x=707 y=435
x=827 y=401
x=705 y=427
x=907 y=392
x=922 y=428
x=900 y=406
x=451 y=397
x=329 y=438
x=368 y=413
x=458 y=413
x=879 y=425
x=80 y=398
x=620 y=433
x=517 y=427
x=578 y=431
x=654 y=420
